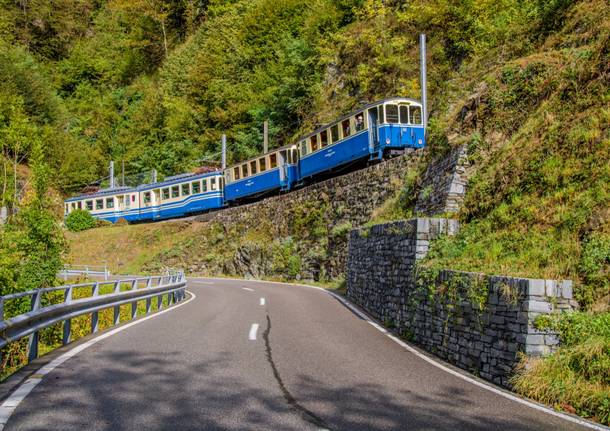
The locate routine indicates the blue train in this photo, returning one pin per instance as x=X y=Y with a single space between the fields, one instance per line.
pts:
x=370 y=133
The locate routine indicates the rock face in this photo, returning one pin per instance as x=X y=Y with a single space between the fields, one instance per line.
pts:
x=476 y=322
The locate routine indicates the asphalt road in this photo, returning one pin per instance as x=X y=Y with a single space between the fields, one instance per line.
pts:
x=313 y=365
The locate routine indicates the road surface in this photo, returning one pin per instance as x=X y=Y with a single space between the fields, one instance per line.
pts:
x=262 y=356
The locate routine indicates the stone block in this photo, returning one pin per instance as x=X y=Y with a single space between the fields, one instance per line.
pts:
x=551 y=288
x=537 y=306
x=536 y=288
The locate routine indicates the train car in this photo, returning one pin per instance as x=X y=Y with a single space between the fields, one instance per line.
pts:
x=181 y=195
x=275 y=170
x=108 y=204
x=383 y=127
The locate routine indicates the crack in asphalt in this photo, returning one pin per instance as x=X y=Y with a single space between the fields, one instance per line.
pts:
x=306 y=414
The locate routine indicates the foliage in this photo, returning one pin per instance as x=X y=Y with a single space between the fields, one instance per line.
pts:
x=286 y=260
x=577 y=376
x=79 y=220
x=575 y=327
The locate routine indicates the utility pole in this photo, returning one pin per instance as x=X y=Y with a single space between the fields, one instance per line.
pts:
x=224 y=151
x=153 y=176
x=123 y=172
x=112 y=174
x=265 y=137
x=423 y=78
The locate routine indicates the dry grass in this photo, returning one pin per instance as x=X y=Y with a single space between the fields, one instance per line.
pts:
x=126 y=249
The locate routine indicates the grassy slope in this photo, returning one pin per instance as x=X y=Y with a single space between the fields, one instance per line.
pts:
x=126 y=248
x=538 y=132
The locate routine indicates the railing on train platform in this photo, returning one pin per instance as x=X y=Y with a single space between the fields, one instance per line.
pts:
x=42 y=316
x=86 y=270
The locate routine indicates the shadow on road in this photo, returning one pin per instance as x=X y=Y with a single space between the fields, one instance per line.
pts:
x=134 y=391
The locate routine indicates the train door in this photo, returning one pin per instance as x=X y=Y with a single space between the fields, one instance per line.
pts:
x=374 y=131
x=121 y=203
x=156 y=203
x=283 y=165
x=407 y=136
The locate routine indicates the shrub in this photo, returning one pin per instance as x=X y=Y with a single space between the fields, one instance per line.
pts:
x=79 y=220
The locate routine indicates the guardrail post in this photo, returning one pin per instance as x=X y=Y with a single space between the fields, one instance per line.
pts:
x=148 y=300
x=67 y=334
x=105 y=273
x=33 y=341
x=95 y=315
x=134 y=305
x=117 y=309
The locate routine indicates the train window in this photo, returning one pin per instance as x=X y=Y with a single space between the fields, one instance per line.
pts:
x=175 y=191
x=360 y=121
x=273 y=161
x=186 y=189
x=133 y=198
x=146 y=197
x=244 y=171
x=262 y=163
x=165 y=193
x=196 y=187
x=404 y=114
x=66 y=209
x=295 y=156
x=334 y=133
x=391 y=113
x=380 y=114
x=79 y=205
x=236 y=173
x=253 y=169
x=213 y=183
x=127 y=201
x=109 y=202
x=324 y=138
x=345 y=128
x=313 y=141
x=415 y=115
x=204 y=183
x=99 y=204
x=303 y=148
x=89 y=205
x=221 y=183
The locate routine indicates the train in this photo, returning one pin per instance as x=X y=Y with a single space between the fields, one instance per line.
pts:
x=374 y=131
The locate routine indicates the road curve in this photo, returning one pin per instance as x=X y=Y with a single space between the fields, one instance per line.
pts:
x=310 y=364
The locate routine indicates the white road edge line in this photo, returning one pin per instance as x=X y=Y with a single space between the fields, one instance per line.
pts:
x=248 y=289
x=431 y=361
x=10 y=404
x=253 y=329
x=262 y=301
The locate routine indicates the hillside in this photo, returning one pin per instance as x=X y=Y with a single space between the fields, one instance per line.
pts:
x=524 y=86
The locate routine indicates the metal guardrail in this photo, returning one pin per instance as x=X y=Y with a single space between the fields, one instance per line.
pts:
x=87 y=270
x=30 y=323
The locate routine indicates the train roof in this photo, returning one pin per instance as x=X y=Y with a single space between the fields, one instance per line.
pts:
x=177 y=179
x=102 y=193
x=174 y=179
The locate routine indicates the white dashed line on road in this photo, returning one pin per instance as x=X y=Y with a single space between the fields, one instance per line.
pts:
x=253 y=330
x=262 y=301
x=248 y=289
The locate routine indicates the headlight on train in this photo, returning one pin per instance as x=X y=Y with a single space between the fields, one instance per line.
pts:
x=387 y=141
x=419 y=141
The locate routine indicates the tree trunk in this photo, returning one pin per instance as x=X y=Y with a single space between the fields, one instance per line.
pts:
x=164 y=37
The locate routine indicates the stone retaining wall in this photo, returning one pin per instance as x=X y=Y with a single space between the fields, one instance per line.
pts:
x=476 y=322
